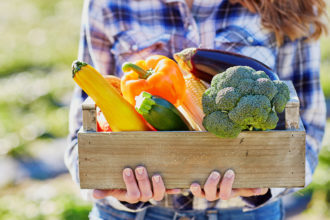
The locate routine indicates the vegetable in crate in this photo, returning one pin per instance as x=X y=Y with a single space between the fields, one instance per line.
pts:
x=101 y=122
x=114 y=81
x=158 y=75
x=119 y=113
x=241 y=98
x=206 y=63
x=162 y=77
x=160 y=113
x=192 y=103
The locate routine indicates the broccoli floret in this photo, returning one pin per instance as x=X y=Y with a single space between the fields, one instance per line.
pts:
x=246 y=86
x=227 y=99
x=228 y=129
x=241 y=98
x=270 y=123
x=265 y=87
x=216 y=79
x=282 y=97
x=282 y=88
x=279 y=102
x=233 y=76
x=251 y=110
x=208 y=100
x=260 y=74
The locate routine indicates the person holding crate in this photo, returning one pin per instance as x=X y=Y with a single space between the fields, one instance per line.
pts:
x=273 y=32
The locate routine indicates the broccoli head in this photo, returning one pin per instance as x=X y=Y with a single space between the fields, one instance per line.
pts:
x=241 y=98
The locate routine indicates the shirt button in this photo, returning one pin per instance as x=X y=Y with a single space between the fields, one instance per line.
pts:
x=250 y=39
x=135 y=47
x=190 y=27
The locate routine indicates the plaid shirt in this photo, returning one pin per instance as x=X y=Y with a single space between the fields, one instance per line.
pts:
x=115 y=31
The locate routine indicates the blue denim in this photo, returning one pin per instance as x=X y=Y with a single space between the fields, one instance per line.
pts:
x=272 y=211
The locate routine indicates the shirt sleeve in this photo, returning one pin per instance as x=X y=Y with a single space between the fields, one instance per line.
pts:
x=94 y=49
x=299 y=61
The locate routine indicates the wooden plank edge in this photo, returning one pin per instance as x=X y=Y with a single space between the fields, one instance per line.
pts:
x=88 y=104
x=294 y=100
x=243 y=134
x=83 y=186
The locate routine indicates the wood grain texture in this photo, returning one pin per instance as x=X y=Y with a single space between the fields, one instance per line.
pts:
x=260 y=159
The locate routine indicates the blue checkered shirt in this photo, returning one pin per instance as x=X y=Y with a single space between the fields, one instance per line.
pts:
x=115 y=31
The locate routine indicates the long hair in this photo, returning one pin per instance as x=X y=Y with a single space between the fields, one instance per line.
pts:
x=291 y=18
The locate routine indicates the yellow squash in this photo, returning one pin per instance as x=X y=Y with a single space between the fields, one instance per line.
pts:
x=120 y=115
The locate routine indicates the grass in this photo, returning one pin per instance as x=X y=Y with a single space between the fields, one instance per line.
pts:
x=38 y=34
x=52 y=199
x=37 y=49
x=40 y=43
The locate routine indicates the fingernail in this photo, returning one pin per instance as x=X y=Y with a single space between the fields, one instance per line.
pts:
x=215 y=175
x=257 y=191
x=229 y=174
x=156 y=178
x=139 y=170
x=127 y=172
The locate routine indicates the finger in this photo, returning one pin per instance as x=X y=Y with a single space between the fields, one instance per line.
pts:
x=226 y=185
x=144 y=184
x=159 y=187
x=247 y=192
x=260 y=191
x=211 y=186
x=133 y=192
x=117 y=193
x=196 y=190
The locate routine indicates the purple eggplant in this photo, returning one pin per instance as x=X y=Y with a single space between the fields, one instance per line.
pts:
x=205 y=63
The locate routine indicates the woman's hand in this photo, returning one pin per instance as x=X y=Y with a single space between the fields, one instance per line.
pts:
x=139 y=190
x=226 y=191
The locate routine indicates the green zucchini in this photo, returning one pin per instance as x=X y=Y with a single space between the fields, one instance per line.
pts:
x=160 y=113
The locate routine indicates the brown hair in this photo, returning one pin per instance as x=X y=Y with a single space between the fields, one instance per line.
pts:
x=292 y=18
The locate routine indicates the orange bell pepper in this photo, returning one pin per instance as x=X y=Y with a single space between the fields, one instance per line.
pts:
x=158 y=75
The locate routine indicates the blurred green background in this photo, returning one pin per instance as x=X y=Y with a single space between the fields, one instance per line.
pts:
x=39 y=41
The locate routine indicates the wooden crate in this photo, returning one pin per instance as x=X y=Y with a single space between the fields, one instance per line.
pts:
x=273 y=158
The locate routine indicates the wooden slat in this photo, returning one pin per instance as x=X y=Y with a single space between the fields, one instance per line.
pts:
x=88 y=104
x=292 y=109
x=260 y=159
x=89 y=115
